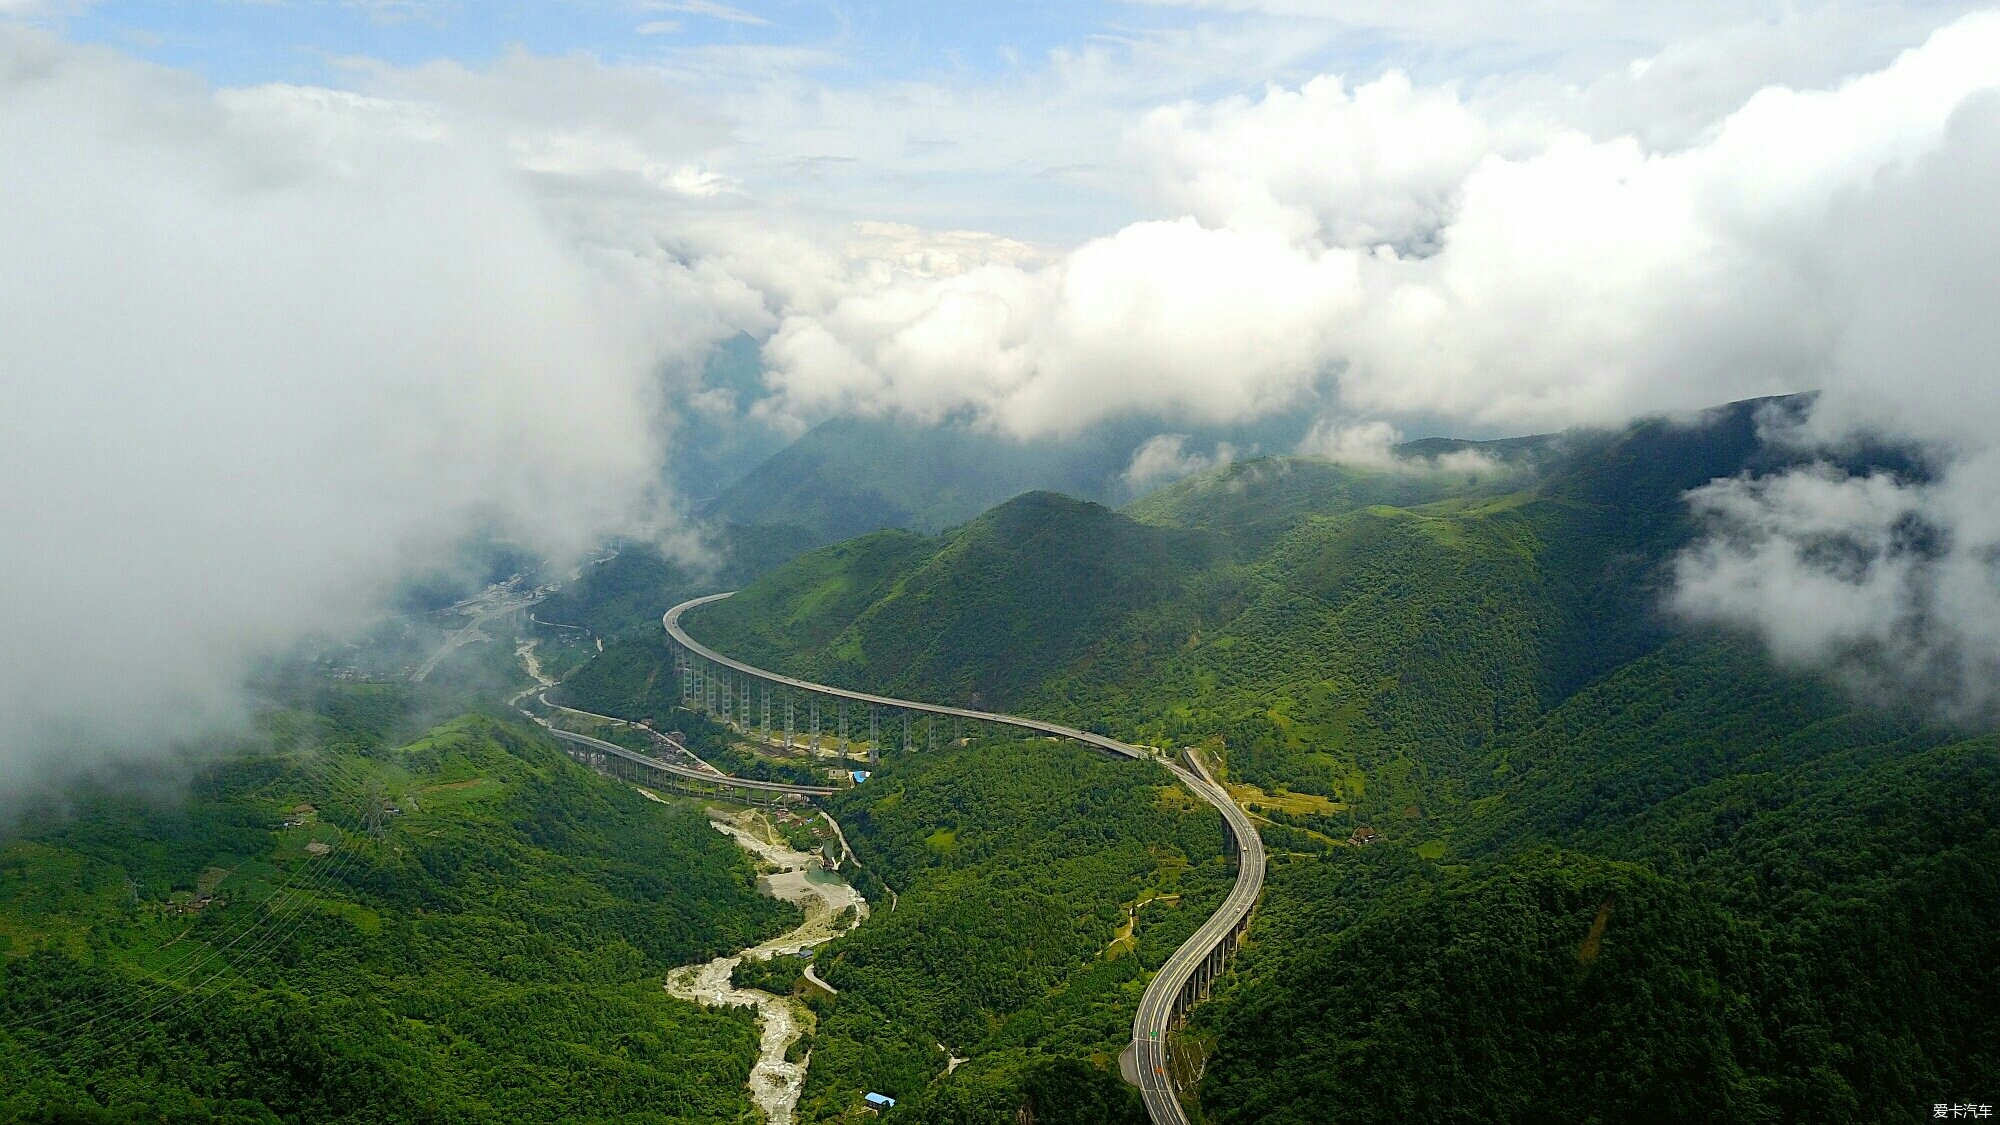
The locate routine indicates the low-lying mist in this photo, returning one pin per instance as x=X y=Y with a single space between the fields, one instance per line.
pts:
x=267 y=352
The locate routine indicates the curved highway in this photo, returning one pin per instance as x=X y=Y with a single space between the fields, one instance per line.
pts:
x=1194 y=966
x=1187 y=974
x=672 y=621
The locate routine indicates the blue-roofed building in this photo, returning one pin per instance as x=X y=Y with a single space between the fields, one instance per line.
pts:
x=859 y=776
x=878 y=1101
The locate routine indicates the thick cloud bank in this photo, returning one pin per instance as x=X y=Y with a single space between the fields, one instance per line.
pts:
x=261 y=350
x=1422 y=255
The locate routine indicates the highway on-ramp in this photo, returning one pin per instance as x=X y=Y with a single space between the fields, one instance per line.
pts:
x=689 y=772
x=1191 y=966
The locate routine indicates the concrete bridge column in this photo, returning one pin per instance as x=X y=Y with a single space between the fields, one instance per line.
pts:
x=812 y=702
x=843 y=730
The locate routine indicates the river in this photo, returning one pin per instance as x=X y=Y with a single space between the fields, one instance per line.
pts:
x=795 y=877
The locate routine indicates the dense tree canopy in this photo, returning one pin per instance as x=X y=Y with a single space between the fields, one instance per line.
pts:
x=277 y=946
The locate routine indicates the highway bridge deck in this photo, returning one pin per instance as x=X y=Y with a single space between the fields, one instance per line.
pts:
x=672 y=621
x=720 y=780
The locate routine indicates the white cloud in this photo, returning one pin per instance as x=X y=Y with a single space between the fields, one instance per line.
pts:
x=1556 y=279
x=1166 y=457
x=1323 y=164
x=658 y=27
x=707 y=9
x=1125 y=324
x=41 y=9
x=1369 y=444
x=1894 y=584
x=1372 y=444
x=263 y=350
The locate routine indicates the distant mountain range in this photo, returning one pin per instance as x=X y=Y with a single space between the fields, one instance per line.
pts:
x=850 y=476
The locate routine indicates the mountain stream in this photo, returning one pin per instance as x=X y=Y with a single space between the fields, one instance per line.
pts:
x=795 y=877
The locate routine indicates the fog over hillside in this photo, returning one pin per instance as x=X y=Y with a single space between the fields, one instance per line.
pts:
x=270 y=344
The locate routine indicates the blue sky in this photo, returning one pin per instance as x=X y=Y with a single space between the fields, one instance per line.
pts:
x=1009 y=116
x=244 y=43
x=1052 y=85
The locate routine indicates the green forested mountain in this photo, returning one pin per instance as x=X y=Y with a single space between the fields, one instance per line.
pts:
x=345 y=926
x=800 y=607
x=632 y=679
x=982 y=614
x=1629 y=870
x=1017 y=888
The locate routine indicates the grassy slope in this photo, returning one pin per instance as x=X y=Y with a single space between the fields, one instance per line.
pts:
x=493 y=954
x=1481 y=679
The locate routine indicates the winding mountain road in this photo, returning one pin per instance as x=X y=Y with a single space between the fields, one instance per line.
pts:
x=1193 y=967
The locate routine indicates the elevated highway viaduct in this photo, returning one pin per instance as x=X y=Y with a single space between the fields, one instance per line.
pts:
x=633 y=766
x=731 y=690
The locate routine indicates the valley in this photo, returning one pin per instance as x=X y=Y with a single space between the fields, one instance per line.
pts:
x=1484 y=812
x=1115 y=562
x=831 y=909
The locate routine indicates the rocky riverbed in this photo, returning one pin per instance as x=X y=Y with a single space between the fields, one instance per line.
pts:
x=795 y=877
